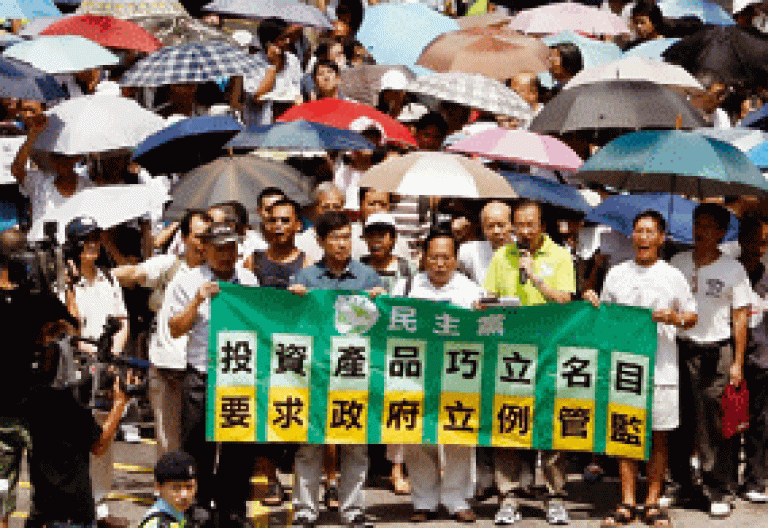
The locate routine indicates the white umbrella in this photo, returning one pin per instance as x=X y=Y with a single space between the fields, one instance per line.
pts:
x=437 y=174
x=637 y=69
x=97 y=123
x=109 y=205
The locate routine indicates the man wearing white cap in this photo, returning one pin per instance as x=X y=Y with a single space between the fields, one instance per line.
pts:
x=391 y=98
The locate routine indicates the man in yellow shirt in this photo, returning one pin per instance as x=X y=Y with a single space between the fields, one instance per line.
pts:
x=536 y=271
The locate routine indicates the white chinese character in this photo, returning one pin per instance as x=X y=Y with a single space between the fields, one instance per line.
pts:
x=403 y=318
x=491 y=325
x=446 y=325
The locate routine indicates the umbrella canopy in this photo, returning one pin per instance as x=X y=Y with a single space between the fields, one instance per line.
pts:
x=186 y=144
x=27 y=9
x=239 y=178
x=593 y=52
x=520 y=146
x=492 y=52
x=191 y=63
x=132 y=8
x=25 y=82
x=757 y=119
x=290 y=11
x=547 y=191
x=107 y=31
x=96 y=123
x=568 y=16
x=673 y=161
x=300 y=135
x=474 y=91
x=759 y=155
x=706 y=11
x=619 y=211
x=109 y=205
x=397 y=33
x=62 y=54
x=637 y=69
x=733 y=55
x=36 y=25
x=362 y=83
x=616 y=105
x=494 y=19
x=651 y=49
x=178 y=31
x=743 y=139
x=437 y=174
x=348 y=114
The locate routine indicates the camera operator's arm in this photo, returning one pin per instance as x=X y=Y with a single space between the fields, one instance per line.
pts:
x=182 y=322
x=35 y=124
x=109 y=428
x=163 y=238
x=121 y=337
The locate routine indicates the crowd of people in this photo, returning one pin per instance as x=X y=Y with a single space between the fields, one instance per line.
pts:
x=147 y=284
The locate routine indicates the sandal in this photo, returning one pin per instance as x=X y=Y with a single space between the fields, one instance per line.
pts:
x=656 y=517
x=331 y=497
x=622 y=515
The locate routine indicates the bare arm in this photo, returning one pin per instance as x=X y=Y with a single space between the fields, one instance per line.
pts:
x=19 y=165
x=121 y=337
x=182 y=322
x=550 y=293
x=740 y=318
x=164 y=236
x=267 y=84
x=130 y=275
x=109 y=428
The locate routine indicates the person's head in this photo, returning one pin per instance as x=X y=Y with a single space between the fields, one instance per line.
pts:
x=753 y=236
x=327 y=197
x=565 y=61
x=440 y=250
x=193 y=227
x=83 y=236
x=241 y=215
x=88 y=79
x=716 y=91
x=745 y=18
x=710 y=223
x=223 y=213
x=63 y=164
x=282 y=222
x=176 y=480
x=271 y=35
x=266 y=198
x=496 y=223
x=326 y=77
x=334 y=234
x=28 y=109
x=391 y=96
x=431 y=130
x=527 y=86
x=373 y=201
x=380 y=233
x=527 y=224
x=221 y=249
x=455 y=114
x=647 y=20
x=648 y=236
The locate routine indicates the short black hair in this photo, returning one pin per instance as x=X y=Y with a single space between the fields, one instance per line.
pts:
x=434 y=119
x=720 y=214
x=653 y=12
x=327 y=63
x=330 y=221
x=270 y=30
x=661 y=223
x=268 y=191
x=748 y=224
x=440 y=233
x=241 y=211
x=175 y=466
x=185 y=226
x=570 y=57
x=287 y=202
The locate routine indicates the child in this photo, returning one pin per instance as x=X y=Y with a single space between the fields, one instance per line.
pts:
x=176 y=485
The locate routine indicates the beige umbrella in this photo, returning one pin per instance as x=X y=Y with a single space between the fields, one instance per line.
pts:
x=492 y=52
x=485 y=20
x=437 y=174
x=362 y=83
x=132 y=8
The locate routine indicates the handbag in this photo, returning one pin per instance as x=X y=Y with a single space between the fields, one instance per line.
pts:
x=735 y=405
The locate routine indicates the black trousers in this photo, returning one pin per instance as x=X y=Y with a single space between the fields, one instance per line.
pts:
x=755 y=441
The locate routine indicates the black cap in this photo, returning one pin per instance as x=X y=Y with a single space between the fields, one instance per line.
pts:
x=80 y=228
x=176 y=465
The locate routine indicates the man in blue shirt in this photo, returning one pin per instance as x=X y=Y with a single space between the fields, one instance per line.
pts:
x=337 y=270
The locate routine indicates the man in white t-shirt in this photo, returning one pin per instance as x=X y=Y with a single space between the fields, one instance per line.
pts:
x=326 y=197
x=712 y=353
x=167 y=356
x=430 y=486
x=649 y=282
x=475 y=256
x=371 y=202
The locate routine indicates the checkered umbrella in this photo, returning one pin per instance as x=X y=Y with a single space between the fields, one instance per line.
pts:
x=191 y=63
x=474 y=91
x=131 y=8
x=176 y=31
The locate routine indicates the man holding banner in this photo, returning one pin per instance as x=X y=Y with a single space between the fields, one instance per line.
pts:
x=536 y=271
x=650 y=282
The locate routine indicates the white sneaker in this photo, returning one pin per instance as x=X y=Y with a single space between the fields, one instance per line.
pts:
x=508 y=514
x=756 y=496
x=719 y=509
x=556 y=512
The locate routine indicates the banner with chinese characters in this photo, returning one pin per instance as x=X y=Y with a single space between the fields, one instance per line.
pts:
x=338 y=367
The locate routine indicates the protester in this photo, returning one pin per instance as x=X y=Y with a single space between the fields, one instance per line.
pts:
x=475 y=256
x=326 y=79
x=326 y=197
x=176 y=486
x=372 y=202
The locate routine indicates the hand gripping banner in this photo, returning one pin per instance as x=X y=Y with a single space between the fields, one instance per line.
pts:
x=338 y=367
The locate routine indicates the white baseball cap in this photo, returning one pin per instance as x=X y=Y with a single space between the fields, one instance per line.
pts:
x=393 y=80
x=380 y=219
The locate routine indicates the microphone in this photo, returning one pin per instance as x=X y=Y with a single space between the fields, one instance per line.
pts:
x=522 y=245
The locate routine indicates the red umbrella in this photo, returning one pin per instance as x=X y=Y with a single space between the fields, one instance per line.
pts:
x=351 y=115
x=107 y=31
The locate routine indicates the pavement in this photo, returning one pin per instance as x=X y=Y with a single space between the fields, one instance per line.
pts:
x=587 y=503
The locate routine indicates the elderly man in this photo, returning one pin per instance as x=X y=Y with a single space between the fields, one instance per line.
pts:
x=430 y=487
x=475 y=256
x=326 y=197
x=536 y=271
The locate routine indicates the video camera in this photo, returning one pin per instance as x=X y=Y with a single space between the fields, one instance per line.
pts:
x=40 y=263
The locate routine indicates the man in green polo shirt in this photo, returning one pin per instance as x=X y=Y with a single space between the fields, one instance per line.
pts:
x=537 y=271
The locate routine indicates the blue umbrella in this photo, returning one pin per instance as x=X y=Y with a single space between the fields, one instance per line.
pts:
x=618 y=212
x=759 y=155
x=26 y=82
x=397 y=33
x=594 y=52
x=62 y=53
x=548 y=191
x=187 y=144
x=27 y=9
x=300 y=135
x=706 y=11
x=651 y=49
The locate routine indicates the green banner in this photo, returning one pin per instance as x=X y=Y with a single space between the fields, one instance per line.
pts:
x=338 y=367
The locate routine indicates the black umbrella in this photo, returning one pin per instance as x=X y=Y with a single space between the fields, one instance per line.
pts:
x=614 y=105
x=25 y=82
x=731 y=54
